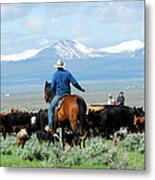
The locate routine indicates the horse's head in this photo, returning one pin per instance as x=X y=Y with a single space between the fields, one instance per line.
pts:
x=48 y=92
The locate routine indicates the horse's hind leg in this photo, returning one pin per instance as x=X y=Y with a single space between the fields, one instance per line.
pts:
x=62 y=138
x=74 y=126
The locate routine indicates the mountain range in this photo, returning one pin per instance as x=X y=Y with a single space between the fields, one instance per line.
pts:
x=72 y=49
x=31 y=67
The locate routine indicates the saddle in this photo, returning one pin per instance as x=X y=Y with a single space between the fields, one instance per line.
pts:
x=58 y=105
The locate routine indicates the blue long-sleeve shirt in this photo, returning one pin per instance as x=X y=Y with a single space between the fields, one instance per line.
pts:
x=61 y=82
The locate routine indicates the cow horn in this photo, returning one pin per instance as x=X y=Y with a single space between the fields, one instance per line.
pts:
x=83 y=137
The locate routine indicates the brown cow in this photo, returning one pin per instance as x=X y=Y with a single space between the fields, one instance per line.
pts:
x=139 y=123
x=15 y=110
x=120 y=135
x=21 y=137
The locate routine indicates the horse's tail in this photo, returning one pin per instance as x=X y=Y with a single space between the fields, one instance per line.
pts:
x=82 y=108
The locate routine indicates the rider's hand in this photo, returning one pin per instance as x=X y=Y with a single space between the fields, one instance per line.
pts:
x=83 y=90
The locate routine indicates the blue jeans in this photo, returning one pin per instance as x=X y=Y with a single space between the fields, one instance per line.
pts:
x=50 y=110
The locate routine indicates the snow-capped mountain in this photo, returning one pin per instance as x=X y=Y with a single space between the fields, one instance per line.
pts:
x=68 y=49
x=72 y=49
x=33 y=67
x=124 y=47
x=27 y=54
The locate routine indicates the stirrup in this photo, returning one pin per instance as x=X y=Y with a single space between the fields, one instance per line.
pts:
x=56 y=135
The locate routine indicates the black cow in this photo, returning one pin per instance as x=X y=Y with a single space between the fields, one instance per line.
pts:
x=41 y=119
x=20 y=120
x=110 y=119
x=3 y=120
x=44 y=136
x=5 y=125
x=139 y=112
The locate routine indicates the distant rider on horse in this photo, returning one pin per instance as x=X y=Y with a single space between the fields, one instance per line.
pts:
x=60 y=85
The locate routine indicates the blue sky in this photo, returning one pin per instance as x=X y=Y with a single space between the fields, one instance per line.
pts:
x=95 y=24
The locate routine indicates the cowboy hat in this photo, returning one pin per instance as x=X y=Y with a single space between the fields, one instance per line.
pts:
x=109 y=95
x=59 y=64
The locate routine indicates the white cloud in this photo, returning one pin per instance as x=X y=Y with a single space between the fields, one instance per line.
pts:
x=35 y=24
x=53 y=20
x=43 y=41
x=38 y=24
x=116 y=11
x=78 y=29
x=125 y=28
x=14 y=11
x=126 y=13
x=61 y=9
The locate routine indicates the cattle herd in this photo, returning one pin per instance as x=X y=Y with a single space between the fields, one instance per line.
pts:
x=109 y=121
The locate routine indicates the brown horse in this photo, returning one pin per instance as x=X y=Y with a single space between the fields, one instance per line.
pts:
x=72 y=111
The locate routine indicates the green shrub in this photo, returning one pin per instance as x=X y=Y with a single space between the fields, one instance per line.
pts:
x=134 y=142
x=97 y=153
